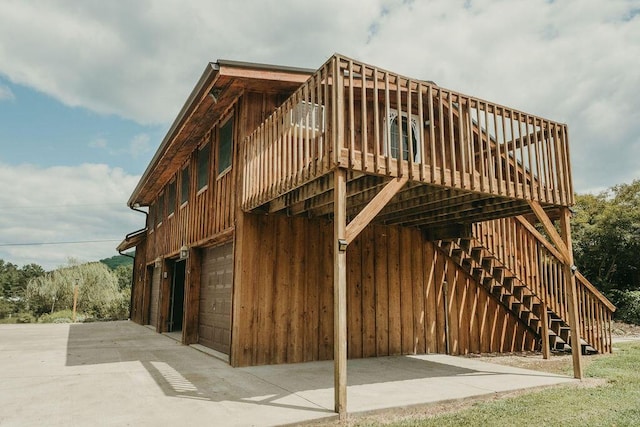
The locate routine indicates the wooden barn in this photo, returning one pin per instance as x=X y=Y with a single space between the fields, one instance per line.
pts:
x=298 y=215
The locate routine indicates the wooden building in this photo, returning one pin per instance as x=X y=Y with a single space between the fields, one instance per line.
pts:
x=298 y=215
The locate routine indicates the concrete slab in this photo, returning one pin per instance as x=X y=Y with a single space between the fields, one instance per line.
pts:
x=120 y=373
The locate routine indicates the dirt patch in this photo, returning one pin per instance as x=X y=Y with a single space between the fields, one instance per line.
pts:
x=625 y=330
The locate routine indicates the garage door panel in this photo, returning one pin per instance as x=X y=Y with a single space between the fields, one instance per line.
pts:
x=215 y=298
x=155 y=296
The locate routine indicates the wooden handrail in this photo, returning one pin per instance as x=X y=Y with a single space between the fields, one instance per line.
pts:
x=538 y=264
x=583 y=280
x=377 y=121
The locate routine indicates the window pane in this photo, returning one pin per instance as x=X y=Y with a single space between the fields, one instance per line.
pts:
x=184 y=185
x=160 y=211
x=203 y=166
x=224 y=146
x=171 y=201
x=151 y=218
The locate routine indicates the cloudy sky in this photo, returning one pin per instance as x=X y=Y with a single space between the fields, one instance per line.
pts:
x=88 y=88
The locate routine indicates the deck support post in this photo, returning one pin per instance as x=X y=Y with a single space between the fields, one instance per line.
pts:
x=564 y=245
x=572 y=295
x=340 y=292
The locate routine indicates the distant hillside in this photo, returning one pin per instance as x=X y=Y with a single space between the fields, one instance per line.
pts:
x=118 y=260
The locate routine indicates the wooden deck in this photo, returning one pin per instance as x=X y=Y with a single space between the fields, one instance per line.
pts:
x=359 y=145
x=466 y=159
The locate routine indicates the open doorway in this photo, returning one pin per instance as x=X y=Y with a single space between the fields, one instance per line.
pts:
x=177 y=296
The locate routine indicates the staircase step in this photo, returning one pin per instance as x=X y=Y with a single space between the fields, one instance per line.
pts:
x=476 y=253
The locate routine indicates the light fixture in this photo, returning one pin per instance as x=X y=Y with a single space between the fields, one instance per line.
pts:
x=342 y=245
x=184 y=252
x=158 y=262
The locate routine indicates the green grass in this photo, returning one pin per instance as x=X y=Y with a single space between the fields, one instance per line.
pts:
x=616 y=403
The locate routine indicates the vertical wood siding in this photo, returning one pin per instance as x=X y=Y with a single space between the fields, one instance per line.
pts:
x=395 y=298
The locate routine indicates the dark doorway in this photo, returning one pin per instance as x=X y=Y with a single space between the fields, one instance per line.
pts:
x=177 y=296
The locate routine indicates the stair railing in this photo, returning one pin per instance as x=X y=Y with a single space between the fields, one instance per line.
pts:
x=523 y=250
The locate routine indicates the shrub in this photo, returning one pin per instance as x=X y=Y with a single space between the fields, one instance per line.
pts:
x=628 y=304
x=25 y=318
x=62 y=316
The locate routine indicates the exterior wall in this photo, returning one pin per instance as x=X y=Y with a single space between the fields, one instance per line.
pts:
x=211 y=210
x=395 y=299
x=139 y=289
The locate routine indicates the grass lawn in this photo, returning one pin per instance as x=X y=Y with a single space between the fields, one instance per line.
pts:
x=615 y=401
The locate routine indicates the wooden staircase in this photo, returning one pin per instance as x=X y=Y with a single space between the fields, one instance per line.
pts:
x=511 y=291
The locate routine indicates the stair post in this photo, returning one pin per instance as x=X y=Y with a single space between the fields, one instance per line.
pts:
x=572 y=295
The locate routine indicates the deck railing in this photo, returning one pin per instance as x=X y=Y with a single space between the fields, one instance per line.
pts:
x=357 y=116
x=528 y=255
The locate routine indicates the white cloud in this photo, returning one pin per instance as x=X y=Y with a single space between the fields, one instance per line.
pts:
x=574 y=61
x=98 y=143
x=6 y=94
x=64 y=204
x=139 y=145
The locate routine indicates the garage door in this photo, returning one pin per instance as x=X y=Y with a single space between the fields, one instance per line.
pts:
x=216 y=287
x=155 y=296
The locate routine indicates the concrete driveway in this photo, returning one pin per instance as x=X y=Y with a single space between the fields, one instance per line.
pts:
x=121 y=373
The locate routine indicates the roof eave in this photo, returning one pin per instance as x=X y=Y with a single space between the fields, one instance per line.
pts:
x=205 y=81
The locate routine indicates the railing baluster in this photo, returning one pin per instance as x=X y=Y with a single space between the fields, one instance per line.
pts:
x=376 y=124
x=363 y=121
x=432 y=134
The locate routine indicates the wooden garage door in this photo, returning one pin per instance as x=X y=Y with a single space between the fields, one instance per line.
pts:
x=155 y=296
x=216 y=287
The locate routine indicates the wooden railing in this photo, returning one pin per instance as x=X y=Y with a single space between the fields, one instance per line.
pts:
x=357 y=116
x=536 y=262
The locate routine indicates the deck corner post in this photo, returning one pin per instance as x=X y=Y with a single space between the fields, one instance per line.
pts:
x=574 y=316
x=340 y=293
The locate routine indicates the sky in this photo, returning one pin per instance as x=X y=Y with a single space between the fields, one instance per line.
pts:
x=89 y=88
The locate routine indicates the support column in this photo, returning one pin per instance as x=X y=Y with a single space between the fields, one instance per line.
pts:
x=572 y=295
x=565 y=251
x=340 y=292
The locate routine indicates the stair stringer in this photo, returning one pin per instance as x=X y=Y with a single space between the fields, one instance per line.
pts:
x=506 y=287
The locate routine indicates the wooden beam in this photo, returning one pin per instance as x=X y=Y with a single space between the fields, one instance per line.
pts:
x=340 y=293
x=574 y=320
x=374 y=207
x=552 y=232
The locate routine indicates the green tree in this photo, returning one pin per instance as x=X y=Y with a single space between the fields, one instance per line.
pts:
x=13 y=283
x=98 y=293
x=606 y=234
x=124 y=273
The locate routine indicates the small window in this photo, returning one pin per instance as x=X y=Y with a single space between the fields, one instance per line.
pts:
x=151 y=217
x=396 y=145
x=171 y=198
x=160 y=209
x=203 y=166
x=225 y=146
x=184 y=186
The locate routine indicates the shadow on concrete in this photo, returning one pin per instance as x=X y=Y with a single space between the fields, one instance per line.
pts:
x=183 y=372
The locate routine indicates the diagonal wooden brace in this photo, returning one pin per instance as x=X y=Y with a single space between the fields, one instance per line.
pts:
x=374 y=207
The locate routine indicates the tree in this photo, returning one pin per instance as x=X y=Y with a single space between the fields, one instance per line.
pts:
x=98 y=293
x=124 y=273
x=13 y=283
x=606 y=232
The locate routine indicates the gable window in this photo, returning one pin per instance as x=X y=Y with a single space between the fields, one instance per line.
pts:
x=171 y=198
x=203 y=166
x=225 y=146
x=184 y=186
x=399 y=133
